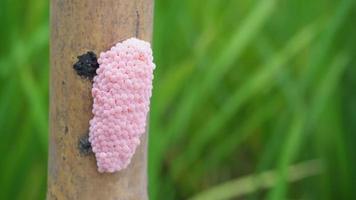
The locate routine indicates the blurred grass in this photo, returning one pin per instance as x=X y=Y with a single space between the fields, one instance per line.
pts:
x=242 y=89
x=252 y=183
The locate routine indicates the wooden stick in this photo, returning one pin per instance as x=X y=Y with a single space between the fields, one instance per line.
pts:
x=78 y=26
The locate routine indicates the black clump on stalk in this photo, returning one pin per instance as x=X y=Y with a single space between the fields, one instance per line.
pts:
x=84 y=145
x=86 y=65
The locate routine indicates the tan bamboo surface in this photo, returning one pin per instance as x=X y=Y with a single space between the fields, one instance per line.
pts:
x=78 y=26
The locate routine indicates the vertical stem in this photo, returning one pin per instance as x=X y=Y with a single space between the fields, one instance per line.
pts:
x=78 y=26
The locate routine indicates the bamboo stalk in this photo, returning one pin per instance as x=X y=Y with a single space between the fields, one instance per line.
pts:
x=78 y=26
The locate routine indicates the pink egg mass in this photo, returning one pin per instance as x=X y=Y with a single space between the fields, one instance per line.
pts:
x=121 y=91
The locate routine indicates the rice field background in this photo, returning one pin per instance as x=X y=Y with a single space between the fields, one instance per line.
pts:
x=252 y=99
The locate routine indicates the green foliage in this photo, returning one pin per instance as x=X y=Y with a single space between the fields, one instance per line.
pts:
x=23 y=99
x=252 y=99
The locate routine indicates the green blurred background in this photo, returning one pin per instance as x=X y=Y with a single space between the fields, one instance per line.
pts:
x=253 y=99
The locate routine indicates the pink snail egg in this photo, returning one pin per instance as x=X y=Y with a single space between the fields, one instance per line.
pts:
x=121 y=103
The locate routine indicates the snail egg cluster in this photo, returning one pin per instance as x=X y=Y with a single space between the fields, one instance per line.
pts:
x=121 y=93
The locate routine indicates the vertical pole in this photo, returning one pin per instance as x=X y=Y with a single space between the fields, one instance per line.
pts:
x=78 y=26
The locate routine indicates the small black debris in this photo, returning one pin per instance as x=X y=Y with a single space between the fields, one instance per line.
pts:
x=84 y=145
x=86 y=65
